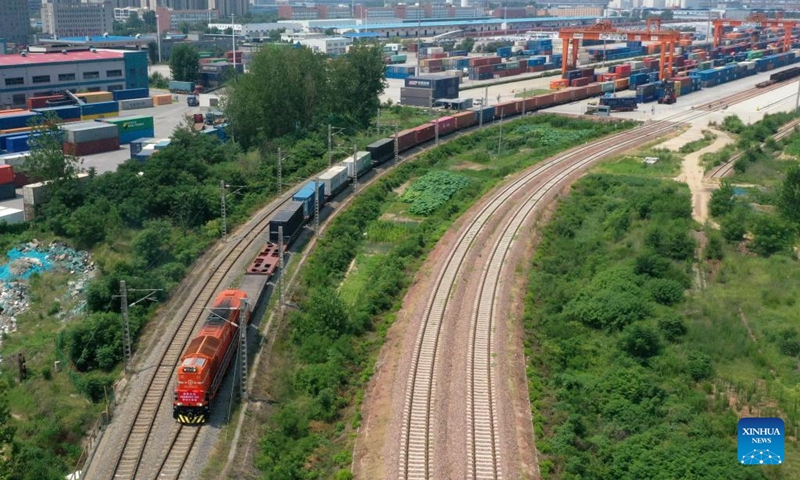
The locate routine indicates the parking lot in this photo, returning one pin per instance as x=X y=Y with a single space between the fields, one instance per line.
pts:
x=165 y=119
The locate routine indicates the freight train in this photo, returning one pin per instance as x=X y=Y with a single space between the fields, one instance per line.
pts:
x=206 y=359
x=780 y=77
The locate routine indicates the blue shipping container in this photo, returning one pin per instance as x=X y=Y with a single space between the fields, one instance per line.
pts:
x=306 y=196
x=17 y=120
x=18 y=144
x=128 y=137
x=99 y=107
x=130 y=94
x=67 y=112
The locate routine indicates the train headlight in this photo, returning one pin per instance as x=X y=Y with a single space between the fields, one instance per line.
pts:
x=199 y=404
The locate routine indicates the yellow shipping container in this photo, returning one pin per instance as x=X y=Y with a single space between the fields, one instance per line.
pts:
x=100 y=115
x=677 y=89
x=16 y=130
x=95 y=97
x=165 y=99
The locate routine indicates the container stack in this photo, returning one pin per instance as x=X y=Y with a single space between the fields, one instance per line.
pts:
x=7 y=189
x=89 y=138
x=66 y=113
x=132 y=128
x=421 y=91
x=137 y=145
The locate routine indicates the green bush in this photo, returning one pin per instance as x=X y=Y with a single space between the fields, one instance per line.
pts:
x=700 y=366
x=771 y=235
x=665 y=291
x=788 y=341
x=734 y=225
x=641 y=341
x=715 y=248
x=733 y=124
x=722 y=200
x=95 y=385
x=672 y=327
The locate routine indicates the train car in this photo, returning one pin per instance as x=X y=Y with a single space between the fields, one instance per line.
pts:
x=208 y=356
x=447 y=125
x=406 y=139
x=381 y=150
x=291 y=217
x=308 y=197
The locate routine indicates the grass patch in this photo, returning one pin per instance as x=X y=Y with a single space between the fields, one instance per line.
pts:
x=532 y=92
x=695 y=145
x=668 y=165
x=713 y=159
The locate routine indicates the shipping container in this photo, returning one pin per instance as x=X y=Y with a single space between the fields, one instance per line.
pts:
x=424 y=133
x=359 y=165
x=35 y=194
x=146 y=152
x=307 y=197
x=291 y=218
x=465 y=119
x=335 y=179
x=137 y=145
x=6 y=174
x=135 y=103
x=91 y=147
x=382 y=150
x=18 y=120
x=41 y=102
x=508 y=109
x=19 y=143
x=7 y=192
x=96 y=97
x=164 y=99
x=446 y=125
x=406 y=139
x=138 y=92
x=89 y=131
x=484 y=114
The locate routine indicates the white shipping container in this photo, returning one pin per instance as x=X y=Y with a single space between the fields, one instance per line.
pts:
x=135 y=103
x=11 y=215
x=38 y=193
x=636 y=64
x=89 y=131
x=361 y=164
x=334 y=178
x=14 y=159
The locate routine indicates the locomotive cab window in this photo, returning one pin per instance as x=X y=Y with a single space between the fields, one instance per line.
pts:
x=190 y=365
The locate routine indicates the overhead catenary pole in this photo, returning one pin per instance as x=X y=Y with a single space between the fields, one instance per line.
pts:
x=280 y=171
x=500 y=139
x=280 y=264
x=355 y=167
x=396 y=146
x=243 y=347
x=316 y=206
x=223 y=210
x=126 y=326
x=233 y=42
x=797 y=100
x=330 y=146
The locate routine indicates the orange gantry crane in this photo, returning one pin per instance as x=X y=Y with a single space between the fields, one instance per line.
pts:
x=604 y=30
x=757 y=20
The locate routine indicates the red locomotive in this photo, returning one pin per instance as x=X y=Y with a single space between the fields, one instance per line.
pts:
x=206 y=359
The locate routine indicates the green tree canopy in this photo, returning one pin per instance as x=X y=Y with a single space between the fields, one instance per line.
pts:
x=184 y=63
x=789 y=195
x=47 y=160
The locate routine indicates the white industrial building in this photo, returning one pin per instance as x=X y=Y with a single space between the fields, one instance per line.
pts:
x=327 y=45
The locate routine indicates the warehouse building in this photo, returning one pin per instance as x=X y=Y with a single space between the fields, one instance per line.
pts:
x=39 y=74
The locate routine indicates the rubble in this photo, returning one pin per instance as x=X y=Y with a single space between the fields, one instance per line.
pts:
x=34 y=258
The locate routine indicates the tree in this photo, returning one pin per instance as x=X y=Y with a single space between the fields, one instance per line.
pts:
x=771 y=235
x=6 y=438
x=134 y=23
x=286 y=89
x=357 y=79
x=641 y=341
x=47 y=160
x=149 y=18
x=789 y=195
x=152 y=52
x=468 y=43
x=184 y=64
x=722 y=201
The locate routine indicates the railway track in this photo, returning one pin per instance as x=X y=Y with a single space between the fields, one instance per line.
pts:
x=484 y=460
x=723 y=103
x=724 y=169
x=128 y=464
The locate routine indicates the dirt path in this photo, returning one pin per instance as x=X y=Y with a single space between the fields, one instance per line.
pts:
x=692 y=174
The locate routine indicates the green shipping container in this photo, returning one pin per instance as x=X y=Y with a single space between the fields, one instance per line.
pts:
x=133 y=123
x=205 y=54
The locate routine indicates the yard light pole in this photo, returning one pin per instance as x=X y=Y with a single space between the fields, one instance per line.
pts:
x=158 y=38
x=233 y=42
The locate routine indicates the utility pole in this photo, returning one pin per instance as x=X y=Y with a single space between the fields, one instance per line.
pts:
x=316 y=206
x=396 y=146
x=436 y=129
x=797 y=100
x=126 y=325
x=280 y=172
x=378 y=121
x=223 y=211
x=500 y=140
x=330 y=146
x=355 y=167
x=283 y=273
x=243 y=347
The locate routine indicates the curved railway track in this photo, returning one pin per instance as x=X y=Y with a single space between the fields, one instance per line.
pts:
x=129 y=458
x=417 y=442
x=724 y=169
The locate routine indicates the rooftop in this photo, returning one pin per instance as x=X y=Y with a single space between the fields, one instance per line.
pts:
x=457 y=21
x=99 y=38
x=69 y=57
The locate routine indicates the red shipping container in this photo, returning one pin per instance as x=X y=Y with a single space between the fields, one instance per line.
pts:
x=425 y=133
x=90 y=148
x=406 y=139
x=41 y=102
x=465 y=119
x=580 y=93
x=6 y=174
x=529 y=104
x=507 y=109
x=564 y=96
x=446 y=125
x=545 y=101
x=580 y=82
x=595 y=89
x=587 y=72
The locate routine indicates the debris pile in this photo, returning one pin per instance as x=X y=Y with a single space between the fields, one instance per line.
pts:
x=25 y=260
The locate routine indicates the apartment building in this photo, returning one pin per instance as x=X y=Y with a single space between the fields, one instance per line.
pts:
x=77 y=19
x=14 y=21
